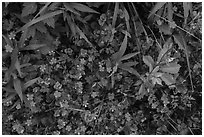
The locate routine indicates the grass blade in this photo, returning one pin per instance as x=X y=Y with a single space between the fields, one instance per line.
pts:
x=128 y=56
x=158 y=6
x=115 y=14
x=83 y=8
x=17 y=87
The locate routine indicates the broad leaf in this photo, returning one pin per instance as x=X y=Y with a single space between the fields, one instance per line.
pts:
x=128 y=56
x=172 y=68
x=149 y=62
x=83 y=8
x=118 y=55
x=158 y=6
x=18 y=88
x=168 y=79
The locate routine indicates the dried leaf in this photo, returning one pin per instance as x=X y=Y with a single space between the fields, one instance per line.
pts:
x=17 y=87
x=172 y=68
x=158 y=6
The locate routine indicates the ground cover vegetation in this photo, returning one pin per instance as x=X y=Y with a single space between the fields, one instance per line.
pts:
x=101 y=68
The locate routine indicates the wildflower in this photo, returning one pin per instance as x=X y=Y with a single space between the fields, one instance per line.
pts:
x=30 y=96
x=10 y=117
x=64 y=104
x=8 y=103
x=64 y=112
x=8 y=48
x=28 y=122
x=128 y=116
x=18 y=106
x=57 y=94
x=51 y=53
x=57 y=42
x=109 y=69
x=94 y=94
x=82 y=61
x=57 y=86
x=80 y=67
x=68 y=128
x=32 y=103
x=102 y=19
x=53 y=61
x=42 y=68
x=57 y=113
x=17 y=127
x=91 y=58
x=12 y=35
x=172 y=25
x=68 y=51
x=61 y=123
x=79 y=86
x=83 y=52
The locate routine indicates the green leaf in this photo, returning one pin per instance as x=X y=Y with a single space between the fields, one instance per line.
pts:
x=71 y=9
x=30 y=82
x=149 y=62
x=179 y=41
x=115 y=14
x=166 y=47
x=118 y=55
x=127 y=17
x=130 y=70
x=8 y=41
x=129 y=64
x=172 y=68
x=168 y=79
x=187 y=7
x=7 y=99
x=18 y=67
x=82 y=35
x=41 y=18
x=17 y=87
x=158 y=6
x=29 y=8
x=165 y=28
x=34 y=46
x=83 y=8
x=50 y=22
x=128 y=56
x=170 y=11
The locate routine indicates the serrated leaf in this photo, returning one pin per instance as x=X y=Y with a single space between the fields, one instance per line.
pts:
x=82 y=35
x=172 y=68
x=50 y=22
x=29 y=8
x=179 y=41
x=149 y=62
x=128 y=56
x=34 y=46
x=158 y=6
x=118 y=55
x=30 y=82
x=168 y=79
x=18 y=88
x=83 y=8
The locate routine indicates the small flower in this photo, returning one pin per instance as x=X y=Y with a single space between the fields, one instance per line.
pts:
x=51 y=53
x=8 y=103
x=12 y=35
x=64 y=104
x=42 y=68
x=91 y=58
x=32 y=103
x=8 y=48
x=57 y=113
x=53 y=61
x=17 y=127
x=68 y=128
x=68 y=51
x=80 y=67
x=30 y=96
x=18 y=106
x=28 y=122
x=57 y=94
x=61 y=123
x=109 y=69
x=82 y=61
x=83 y=52
x=10 y=117
x=57 y=86
x=172 y=25
x=94 y=94
x=57 y=42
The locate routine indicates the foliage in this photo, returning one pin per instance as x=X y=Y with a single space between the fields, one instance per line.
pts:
x=101 y=68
